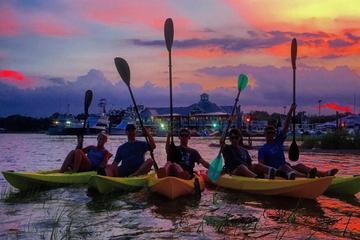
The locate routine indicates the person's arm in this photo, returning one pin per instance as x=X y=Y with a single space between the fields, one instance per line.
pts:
x=200 y=160
x=86 y=149
x=107 y=156
x=152 y=144
x=287 y=120
x=117 y=158
x=261 y=155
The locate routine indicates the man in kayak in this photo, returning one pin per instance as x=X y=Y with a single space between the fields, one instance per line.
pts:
x=89 y=158
x=238 y=160
x=131 y=155
x=272 y=154
x=183 y=166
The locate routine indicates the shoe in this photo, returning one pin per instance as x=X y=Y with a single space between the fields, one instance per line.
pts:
x=271 y=173
x=332 y=172
x=290 y=176
x=312 y=173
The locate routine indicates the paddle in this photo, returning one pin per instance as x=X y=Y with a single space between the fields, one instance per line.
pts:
x=169 y=38
x=123 y=68
x=294 y=149
x=87 y=102
x=217 y=164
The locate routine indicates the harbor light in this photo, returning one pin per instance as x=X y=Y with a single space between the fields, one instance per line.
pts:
x=162 y=126
x=68 y=122
x=214 y=125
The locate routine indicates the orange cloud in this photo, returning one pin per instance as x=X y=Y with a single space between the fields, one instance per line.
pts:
x=336 y=107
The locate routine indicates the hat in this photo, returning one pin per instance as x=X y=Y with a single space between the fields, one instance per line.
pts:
x=130 y=127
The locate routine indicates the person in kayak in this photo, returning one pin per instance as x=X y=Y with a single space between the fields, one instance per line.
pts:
x=131 y=155
x=89 y=158
x=183 y=166
x=272 y=154
x=238 y=161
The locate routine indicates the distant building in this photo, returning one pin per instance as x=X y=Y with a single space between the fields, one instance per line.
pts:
x=202 y=115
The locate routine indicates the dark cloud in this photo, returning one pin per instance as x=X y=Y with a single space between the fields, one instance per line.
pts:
x=335 y=43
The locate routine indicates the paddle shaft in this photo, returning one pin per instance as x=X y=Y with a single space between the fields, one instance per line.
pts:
x=223 y=137
x=294 y=102
x=171 y=98
x=142 y=127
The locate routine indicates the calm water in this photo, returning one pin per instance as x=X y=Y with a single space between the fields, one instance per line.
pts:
x=66 y=213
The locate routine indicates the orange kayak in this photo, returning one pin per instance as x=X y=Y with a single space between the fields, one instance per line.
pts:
x=173 y=187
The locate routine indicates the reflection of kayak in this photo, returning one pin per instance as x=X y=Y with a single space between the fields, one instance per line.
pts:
x=45 y=179
x=104 y=184
x=173 y=187
x=299 y=188
x=345 y=185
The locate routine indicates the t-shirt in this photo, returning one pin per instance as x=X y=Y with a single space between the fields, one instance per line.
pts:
x=188 y=158
x=234 y=157
x=273 y=155
x=131 y=156
x=96 y=155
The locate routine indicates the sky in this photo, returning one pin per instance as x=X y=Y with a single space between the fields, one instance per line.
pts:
x=51 y=52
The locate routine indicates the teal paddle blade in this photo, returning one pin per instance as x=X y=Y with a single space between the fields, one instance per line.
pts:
x=242 y=82
x=215 y=168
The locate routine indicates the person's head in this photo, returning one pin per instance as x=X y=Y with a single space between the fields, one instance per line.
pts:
x=270 y=133
x=235 y=136
x=102 y=138
x=184 y=136
x=131 y=132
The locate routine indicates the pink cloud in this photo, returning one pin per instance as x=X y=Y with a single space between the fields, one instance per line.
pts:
x=9 y=21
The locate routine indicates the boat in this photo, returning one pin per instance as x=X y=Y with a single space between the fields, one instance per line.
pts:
x=300 y=187
x=345 y=185
x=25 y=181
x=105 y=184
x=67 y=124
x=173 y=187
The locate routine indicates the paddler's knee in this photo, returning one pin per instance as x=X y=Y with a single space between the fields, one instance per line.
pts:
x=149 y=161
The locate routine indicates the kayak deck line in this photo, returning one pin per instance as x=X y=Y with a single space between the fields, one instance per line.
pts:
x=173 y=187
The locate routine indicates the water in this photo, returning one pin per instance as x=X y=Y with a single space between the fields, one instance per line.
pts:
x=69 y=212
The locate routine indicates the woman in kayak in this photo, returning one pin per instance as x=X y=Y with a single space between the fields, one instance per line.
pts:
x=183 y=165
x=238 y=161
x=272 y=154
x=131 y=156
x=89 y=158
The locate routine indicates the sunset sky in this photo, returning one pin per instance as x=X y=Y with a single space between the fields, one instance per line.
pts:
x=52 y=51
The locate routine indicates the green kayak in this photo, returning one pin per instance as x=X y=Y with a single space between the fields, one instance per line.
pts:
x=45 y=179
x=104 y=184
x=345 y=185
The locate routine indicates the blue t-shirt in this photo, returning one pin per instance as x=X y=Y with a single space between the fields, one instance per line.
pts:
x=131 y=156
x=273 y=155
x=95 y=155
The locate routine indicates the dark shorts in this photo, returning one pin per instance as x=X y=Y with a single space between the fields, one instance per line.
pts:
x=124 y=172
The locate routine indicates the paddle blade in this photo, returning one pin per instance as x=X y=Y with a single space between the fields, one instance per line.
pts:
x=215 y=168
x=87 y=102
x=242 y=82
x=123 y=69
x=169 y=33
x=294 y=152
x=293 y=53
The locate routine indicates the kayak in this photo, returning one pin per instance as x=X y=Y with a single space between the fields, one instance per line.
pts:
x=345 y=185
x=45 y=179
x=173 y=187
x=299 y=188
x=105 y=184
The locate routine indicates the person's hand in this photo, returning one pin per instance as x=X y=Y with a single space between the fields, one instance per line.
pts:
x=145 y=132
x=292 y=108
